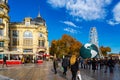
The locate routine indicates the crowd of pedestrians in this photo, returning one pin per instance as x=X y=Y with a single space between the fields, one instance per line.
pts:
x=99 y=64
x=71 y=63
x=75 y=64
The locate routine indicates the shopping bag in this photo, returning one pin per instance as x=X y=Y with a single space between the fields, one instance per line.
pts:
x=78 y=76
x=62 y=69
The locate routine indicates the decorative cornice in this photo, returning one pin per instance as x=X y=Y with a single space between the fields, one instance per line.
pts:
x=4 y=6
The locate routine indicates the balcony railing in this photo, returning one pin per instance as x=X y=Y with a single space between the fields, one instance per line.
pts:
x=41 y=47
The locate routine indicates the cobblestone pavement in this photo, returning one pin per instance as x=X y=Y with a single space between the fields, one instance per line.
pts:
x=45 y=72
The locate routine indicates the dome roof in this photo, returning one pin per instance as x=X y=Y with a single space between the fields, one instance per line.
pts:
x=39 y=20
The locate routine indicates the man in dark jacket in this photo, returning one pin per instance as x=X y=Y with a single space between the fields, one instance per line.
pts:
x=4 y=60
x=106 y=64
x=55 y=65
x=94 y=64
x=111 y=64
x=65 y=64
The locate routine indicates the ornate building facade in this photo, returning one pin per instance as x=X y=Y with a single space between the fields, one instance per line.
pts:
x=28 y=37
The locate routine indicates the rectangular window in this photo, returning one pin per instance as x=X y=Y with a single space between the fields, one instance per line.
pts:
x=15 y=33
x=2 y=44
x=28 y=50
x=1 y=32
x=1 y=9
x=27 y=42
x=1 y=20
x=15 y=42
x=41 y=43
x=14 y=49
x=27 y=23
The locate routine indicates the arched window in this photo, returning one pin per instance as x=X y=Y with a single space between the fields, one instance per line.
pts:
x=27 y=34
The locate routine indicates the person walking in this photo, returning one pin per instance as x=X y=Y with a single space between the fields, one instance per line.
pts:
x=81 y=62
x=111 y=64
x=89 y=63
x=74 y=66
x=23 y=60
x=106 y=64
x=55 y=65
x=65 y=64
x=93 y=64
x=4 y=61
x=101 y=64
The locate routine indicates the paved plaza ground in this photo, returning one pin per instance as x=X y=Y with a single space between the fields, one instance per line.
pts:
x=44 y=71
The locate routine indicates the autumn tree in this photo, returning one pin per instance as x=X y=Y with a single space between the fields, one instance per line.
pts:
x=53 y=48
x=104 y=50
x=67 y=45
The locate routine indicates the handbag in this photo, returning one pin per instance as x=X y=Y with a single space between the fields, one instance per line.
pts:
x=78 y=77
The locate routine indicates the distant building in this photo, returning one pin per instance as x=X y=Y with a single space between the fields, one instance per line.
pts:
x=28 y=38
x=114 y=55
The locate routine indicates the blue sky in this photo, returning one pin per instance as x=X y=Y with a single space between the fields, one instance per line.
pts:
x=74 y=17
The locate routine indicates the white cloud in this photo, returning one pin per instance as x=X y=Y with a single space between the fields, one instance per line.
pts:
x=57 y=3
x=116 y=12
x=71 y=30
x=74 y=29
x=85 y=9
x=69 y=23
x=112 y=22
x=116 y=15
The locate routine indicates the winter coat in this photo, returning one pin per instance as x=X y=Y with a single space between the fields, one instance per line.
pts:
x=75 y=66
x=65 y=62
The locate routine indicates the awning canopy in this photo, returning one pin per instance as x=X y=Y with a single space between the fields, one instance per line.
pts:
x=10 y=52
